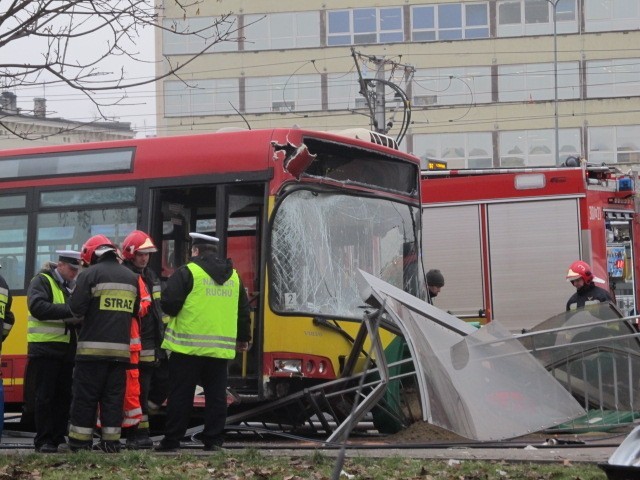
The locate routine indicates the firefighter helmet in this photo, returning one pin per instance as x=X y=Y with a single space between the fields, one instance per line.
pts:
x=580 y=269
x=95 y=247
x=137 y=241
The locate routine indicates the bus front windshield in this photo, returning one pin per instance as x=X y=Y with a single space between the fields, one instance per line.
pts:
x=319 y=240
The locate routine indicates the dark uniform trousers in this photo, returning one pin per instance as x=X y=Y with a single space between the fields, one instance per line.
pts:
x=191 y=370
x=159 y=389
x=146 y=375
x=52 y=398
x=92 y=381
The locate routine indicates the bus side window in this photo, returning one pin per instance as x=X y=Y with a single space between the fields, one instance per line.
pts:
x=10 y=270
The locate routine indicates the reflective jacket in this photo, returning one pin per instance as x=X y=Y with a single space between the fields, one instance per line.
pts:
x=210 y=307
x=106 y=295
x=48 y=330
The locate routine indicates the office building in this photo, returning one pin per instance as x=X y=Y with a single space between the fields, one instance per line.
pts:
x=492 y=83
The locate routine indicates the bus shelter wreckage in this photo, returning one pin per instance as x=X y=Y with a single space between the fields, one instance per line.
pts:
x=479 y=383
x=573 y=371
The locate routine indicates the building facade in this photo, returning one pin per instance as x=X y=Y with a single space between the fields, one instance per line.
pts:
x=21 y=129
x=491 y=83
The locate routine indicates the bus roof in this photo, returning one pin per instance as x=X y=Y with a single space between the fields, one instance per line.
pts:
x=159 y=157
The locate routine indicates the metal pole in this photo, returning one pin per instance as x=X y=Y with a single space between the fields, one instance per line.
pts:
x=554 y=4
x=380 y=121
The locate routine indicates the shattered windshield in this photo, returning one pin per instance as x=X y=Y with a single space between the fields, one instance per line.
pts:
x=319 y=240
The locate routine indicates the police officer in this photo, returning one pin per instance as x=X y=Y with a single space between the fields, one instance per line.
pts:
x=106 y=295
x=435 y=282
x=136 y=250
x=51 y=338
x=587 y=292
x=210 y=322
x=7 y=319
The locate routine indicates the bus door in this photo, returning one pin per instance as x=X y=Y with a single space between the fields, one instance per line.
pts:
x=234 y=214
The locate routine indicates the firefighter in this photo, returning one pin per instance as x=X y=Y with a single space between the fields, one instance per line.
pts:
x=210 y=321
x=435 y=282
x=52 y=339
x=7 y=318
x=136 y=250
x=587 y=292
x=106 y=295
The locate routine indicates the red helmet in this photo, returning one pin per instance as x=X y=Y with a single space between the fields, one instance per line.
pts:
x=96 y=246
x=137 y=241
x=580 y=269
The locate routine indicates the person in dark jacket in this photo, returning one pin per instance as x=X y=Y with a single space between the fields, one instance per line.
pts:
x=136 y=249
x=210 y=311
x=7 y=318
x=51 y=337
x=107 y=296
x=587 y=293
x=435 y=282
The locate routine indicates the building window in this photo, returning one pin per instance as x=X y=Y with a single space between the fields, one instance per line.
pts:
x=451 y=86
x=611 y=15
x=343 y=92
x=518 y=18
x=613 y=78
x=279 y=31
x=283 y=94
x=614 y=144
x=365 y=25
x=200 y=97
x=535 y=82
x=459 y=150
x=536 y=11
x=189 y=36
x=451 y=21
x=536 y=148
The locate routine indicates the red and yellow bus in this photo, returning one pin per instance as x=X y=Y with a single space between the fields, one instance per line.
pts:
x=298 y=211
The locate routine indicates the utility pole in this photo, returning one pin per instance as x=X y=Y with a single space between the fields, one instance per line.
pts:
x=375 y=97
x=380 y=123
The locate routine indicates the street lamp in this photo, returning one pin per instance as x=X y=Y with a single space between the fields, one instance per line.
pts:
x=554 y=5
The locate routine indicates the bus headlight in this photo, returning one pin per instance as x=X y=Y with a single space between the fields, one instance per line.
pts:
x=288 y=365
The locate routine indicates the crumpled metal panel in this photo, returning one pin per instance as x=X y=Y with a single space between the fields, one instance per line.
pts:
x=479 y=383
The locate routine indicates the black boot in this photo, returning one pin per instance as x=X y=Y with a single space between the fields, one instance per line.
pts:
x=143 y=440
x=130 y=433
x=109 y=446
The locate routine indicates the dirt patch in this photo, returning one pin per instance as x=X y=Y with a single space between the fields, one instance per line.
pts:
x=422 y=432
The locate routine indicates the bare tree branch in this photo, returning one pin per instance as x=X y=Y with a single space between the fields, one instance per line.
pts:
x=111 y=27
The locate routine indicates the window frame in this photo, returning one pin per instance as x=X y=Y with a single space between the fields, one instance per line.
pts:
x=340 y=35
x=437 y=31
x=220 y=92
x=262 y=93
x=305 y=31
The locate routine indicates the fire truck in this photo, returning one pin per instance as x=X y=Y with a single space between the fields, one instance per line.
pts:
x=504 y=238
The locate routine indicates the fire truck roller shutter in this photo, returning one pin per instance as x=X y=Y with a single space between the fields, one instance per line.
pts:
x=451 y=243
x=530 y=245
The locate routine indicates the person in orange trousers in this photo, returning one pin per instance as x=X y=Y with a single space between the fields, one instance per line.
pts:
x=132 y=408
